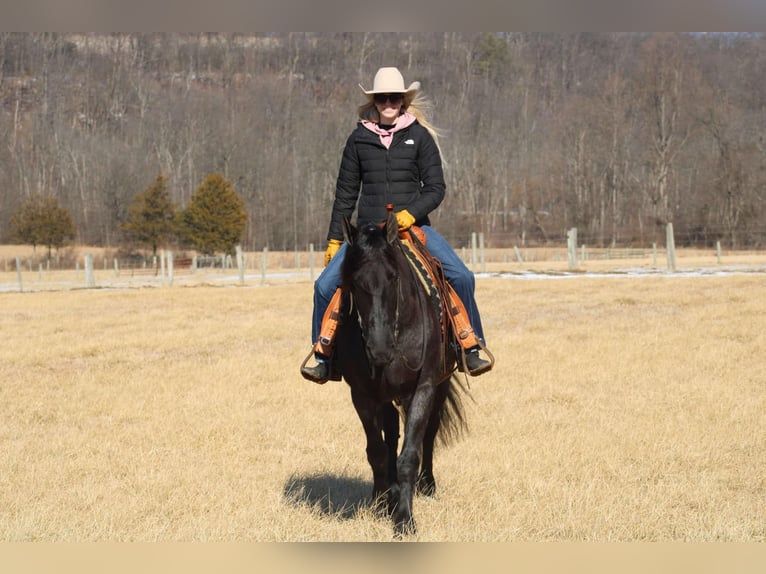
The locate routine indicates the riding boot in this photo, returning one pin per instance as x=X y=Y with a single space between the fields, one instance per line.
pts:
x=466 y=337
x=475 y=364
x=319 y=373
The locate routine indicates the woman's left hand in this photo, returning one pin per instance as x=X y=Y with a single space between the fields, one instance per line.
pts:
x=404 y=219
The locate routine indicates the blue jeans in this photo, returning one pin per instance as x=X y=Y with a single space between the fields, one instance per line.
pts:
x=459 y=276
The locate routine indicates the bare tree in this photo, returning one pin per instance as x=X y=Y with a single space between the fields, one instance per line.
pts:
x=665 y=97
x=613 y=133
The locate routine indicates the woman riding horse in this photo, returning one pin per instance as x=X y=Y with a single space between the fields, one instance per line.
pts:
x=391 y=157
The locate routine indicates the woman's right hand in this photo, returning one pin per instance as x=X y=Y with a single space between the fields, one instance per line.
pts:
x=332 y=248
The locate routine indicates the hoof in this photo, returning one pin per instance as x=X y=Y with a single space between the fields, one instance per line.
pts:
x=404 y=522
x=405 y=528
x=426 y=485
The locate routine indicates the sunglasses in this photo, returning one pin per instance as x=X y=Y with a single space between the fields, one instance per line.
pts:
x=393 y=98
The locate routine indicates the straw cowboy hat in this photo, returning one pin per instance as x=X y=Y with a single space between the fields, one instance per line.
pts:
x=390 y=81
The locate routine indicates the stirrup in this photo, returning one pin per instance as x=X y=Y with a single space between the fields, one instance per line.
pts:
x=473 y=364
x=319 y=373
x=322 y=372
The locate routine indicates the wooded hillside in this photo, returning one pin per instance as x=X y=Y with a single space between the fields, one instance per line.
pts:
x=615 y=134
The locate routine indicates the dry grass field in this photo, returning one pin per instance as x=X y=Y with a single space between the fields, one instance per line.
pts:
x=621 y=409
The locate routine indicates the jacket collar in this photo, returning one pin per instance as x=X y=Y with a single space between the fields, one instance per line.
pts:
x=387 y=136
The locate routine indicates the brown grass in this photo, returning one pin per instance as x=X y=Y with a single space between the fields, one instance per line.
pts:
x=620 y=409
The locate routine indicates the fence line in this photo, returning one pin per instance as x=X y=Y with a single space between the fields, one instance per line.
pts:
x=166 y=269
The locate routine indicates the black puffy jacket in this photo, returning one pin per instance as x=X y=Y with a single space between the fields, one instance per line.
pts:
x=408 y=175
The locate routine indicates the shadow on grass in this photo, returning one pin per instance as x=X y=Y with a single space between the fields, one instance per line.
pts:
x=338 y=496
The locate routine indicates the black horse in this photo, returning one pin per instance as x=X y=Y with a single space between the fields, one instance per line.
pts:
x=392 y=353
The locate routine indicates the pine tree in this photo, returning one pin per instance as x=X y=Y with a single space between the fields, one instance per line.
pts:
x=42 y=221
x=215 y=219
x=151 y=216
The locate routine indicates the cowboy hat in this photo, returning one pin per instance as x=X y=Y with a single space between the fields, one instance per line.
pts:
x=390 y=81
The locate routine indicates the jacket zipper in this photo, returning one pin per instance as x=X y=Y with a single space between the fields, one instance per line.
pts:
x=389 y=199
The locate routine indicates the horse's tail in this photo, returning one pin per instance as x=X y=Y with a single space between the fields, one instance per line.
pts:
x=452 y=421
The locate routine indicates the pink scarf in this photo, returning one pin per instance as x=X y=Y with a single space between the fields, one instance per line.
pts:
x=387 y=136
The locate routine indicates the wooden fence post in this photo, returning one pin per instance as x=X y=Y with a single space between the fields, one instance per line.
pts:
x=670 y=246
x=264 y=258
x=18 y=274
x=572 y=248
x=90 y=280
x=240 y=265
x=162 y=267
x=311 y=261
x=481 y=253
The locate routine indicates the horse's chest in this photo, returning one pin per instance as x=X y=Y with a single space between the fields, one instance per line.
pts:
x=394 y=385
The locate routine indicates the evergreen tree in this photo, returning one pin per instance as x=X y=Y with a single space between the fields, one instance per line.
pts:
x=151 y=216
x=40 y=220
x=215 y=219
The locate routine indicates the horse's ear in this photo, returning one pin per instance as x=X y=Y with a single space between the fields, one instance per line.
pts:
x=349 y=231
x=392 y=227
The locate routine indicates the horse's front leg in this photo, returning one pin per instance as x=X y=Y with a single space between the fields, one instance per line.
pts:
x=390 y=418
x=418 y=413
x=371 y=416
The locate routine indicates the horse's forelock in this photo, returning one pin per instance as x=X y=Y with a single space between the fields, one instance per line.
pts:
x=372 y=237
x=370 y=247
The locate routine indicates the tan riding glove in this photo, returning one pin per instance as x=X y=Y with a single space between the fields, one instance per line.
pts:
x=404 y=219
x=332 y=248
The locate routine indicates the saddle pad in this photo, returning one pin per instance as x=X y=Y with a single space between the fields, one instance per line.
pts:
x=424 y=272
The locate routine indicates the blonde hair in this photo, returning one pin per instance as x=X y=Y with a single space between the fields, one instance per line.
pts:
x=419 y=106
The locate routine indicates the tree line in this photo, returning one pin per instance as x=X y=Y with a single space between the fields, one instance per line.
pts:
x=616 y=134
x=213 y=222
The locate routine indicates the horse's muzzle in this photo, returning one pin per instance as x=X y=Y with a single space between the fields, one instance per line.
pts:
x=379 y=356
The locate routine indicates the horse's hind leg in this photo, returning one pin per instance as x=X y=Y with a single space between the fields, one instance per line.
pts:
x=426 y=483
